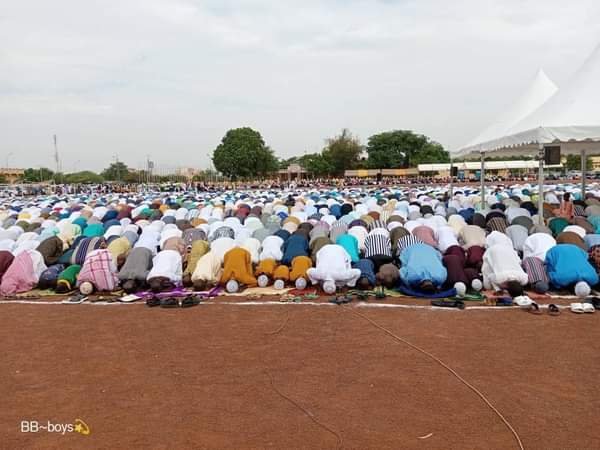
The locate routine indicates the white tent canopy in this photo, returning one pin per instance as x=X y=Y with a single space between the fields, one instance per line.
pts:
x=571 y=115
x=538 y=92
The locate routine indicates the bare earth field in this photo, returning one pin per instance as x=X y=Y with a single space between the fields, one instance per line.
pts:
x=225 y=375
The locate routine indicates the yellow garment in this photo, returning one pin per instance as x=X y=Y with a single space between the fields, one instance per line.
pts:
x=266 y=267
x=238 y=266
x=208 y=269
x=282 y=272
x=199 y=249
x=119 y=246
x=300 y=264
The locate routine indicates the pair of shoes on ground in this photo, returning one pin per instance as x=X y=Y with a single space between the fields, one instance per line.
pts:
x=341 y=299
x=534 y=308
x=459 y=304
x=171 y=302
x=75 y=299
x=581 y=308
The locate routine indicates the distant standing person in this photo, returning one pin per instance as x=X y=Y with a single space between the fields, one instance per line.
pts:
x=566 y=207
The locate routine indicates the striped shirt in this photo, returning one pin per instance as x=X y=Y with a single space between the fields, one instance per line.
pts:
x=377 y=245
x=497 y=224
x=535 y=270
x=405 y=242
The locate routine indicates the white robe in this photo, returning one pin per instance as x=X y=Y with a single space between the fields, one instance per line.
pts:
x=501 y=264
x=334 y=264
x=168 y=264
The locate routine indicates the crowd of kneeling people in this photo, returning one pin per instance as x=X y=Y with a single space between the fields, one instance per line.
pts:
x=419 y=242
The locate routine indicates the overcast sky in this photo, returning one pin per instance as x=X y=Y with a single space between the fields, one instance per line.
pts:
x=167 y=78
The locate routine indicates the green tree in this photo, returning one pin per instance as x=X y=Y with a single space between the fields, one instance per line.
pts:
x=403 y=148
x=317 y=164
x=243 y=153
x=342 y=152
x=32 y=175
x=117 y=171
x=3 y=179
x=83 y=177
x=574 y=162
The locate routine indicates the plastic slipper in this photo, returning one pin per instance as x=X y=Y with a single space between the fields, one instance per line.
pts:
x=553 y=310
x=190 y=301
x=534 y=308
x=588 y=308
x=448 y=304
x=339 y=300
x=577 y=308
x=169 y=302
x=152 y=302
x=75 y=299
x=523 y=301
x=129 y=298
x=506 y=301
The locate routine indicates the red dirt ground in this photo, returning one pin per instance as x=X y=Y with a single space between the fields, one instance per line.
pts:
x=208 y=377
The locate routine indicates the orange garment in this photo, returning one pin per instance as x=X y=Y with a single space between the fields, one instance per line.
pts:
x=238 y=266
x=300 y=264
x=266 y=267
x=282 y=273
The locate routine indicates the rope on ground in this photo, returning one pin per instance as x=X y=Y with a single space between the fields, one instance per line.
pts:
x=449 y=369
x=305 y=411
x=280 y=329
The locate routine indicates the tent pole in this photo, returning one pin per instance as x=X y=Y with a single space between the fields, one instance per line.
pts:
x=451 y=189
x=583 y=173
x=541 y=185
x=482 y=179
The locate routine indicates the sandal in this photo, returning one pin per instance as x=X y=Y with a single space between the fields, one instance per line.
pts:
x=190 y=301
x=152 y=302
x=553 y=310
x=459 y=304
x=169 y=302
x=534 y=309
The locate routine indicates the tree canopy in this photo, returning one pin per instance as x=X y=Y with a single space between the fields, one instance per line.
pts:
x=83 y=177
x=243 y=153
x=403 y=148
x=32 y=175
x=117 y=171
x=574 y=162
x=342 y=152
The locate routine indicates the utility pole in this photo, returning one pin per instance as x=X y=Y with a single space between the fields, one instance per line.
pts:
x=56 y=159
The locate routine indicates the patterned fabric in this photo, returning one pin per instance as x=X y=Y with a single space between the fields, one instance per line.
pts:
x=405 y=242
x=85 y=247
x=223 y=232
x=595 y=257
x=377 y=244
x=579 y=210
x=497 y=224
x=99 y=270
x=535 y=270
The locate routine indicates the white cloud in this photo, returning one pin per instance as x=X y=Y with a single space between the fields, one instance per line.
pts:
x=169 y=77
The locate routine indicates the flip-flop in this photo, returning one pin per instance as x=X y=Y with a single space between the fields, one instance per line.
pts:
x=577 y=308
x=190 y=301
x=169 y=302
x=553 y=310
x=588 y=308
x=152 y=302
x=459 y=304
x=534 y=308
x=75 y=299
